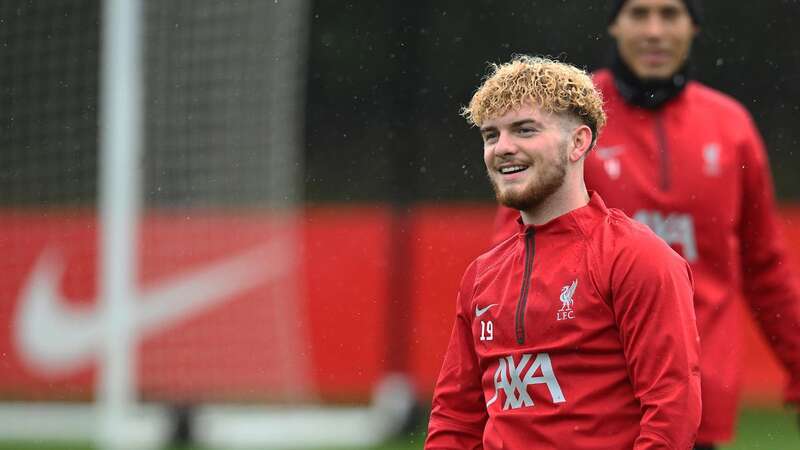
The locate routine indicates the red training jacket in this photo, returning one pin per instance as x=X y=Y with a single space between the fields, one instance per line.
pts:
x=576 y=334
x=696 y=172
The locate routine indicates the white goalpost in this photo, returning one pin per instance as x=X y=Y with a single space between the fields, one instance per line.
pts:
x=120 y=185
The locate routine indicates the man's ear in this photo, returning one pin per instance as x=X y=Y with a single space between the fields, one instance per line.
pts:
x=612 y=29
x=580 y=142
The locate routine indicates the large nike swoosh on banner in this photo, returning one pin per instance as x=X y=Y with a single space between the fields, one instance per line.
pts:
x=56 y=338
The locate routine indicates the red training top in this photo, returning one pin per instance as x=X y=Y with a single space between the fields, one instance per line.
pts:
x=576 y=334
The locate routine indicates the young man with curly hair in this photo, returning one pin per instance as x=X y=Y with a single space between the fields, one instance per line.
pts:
x=577 y=331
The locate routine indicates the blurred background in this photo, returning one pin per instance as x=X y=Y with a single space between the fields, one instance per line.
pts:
x=227 y=223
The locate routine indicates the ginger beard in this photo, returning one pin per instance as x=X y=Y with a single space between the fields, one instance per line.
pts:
x=547 y=178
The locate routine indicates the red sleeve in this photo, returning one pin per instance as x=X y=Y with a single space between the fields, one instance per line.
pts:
x=505 y=224
x=770 y=286
x=652 y=298
x=458 y=412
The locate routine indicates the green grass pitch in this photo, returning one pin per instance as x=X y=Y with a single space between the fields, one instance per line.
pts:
x=759 y=429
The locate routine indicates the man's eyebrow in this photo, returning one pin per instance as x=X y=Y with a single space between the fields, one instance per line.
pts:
x=514 y=124
x=525 y=122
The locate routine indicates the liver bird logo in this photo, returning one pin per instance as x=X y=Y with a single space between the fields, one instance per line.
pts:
x=566 y=296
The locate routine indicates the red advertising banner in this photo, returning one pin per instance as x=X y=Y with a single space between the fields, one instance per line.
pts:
x=210 y=288
x=251 y=306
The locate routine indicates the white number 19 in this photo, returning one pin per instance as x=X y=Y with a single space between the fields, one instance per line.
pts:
x=487 y=331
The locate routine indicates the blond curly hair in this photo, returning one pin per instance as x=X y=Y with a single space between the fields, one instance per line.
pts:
x=554 y=86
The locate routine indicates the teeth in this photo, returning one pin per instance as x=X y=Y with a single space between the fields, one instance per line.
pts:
x=512 y=169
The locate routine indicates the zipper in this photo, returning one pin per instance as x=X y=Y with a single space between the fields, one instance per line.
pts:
x=663 y=148
x=519 y=322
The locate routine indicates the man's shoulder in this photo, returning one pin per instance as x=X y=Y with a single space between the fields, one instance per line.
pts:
x=627 y=238
x=497 y=252
x=603 y=79
x=485 y=263
x=715 y=100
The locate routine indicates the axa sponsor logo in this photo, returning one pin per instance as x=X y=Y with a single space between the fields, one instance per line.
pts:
x=674 y=228
x=567 y=292
x=512 y=380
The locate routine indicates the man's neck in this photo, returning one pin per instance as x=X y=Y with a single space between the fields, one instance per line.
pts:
x=561 y=202
x=648 y=94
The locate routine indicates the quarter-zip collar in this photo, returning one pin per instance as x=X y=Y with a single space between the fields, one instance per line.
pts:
x=577 y=220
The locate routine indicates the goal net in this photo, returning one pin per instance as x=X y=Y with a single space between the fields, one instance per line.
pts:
x=150 y=180
x=222 y=168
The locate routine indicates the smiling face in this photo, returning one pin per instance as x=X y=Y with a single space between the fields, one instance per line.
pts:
x=526 y=156
x=653 y=37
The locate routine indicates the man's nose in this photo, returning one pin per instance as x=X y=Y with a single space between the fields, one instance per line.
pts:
x=654 y=26
x=505 y=145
